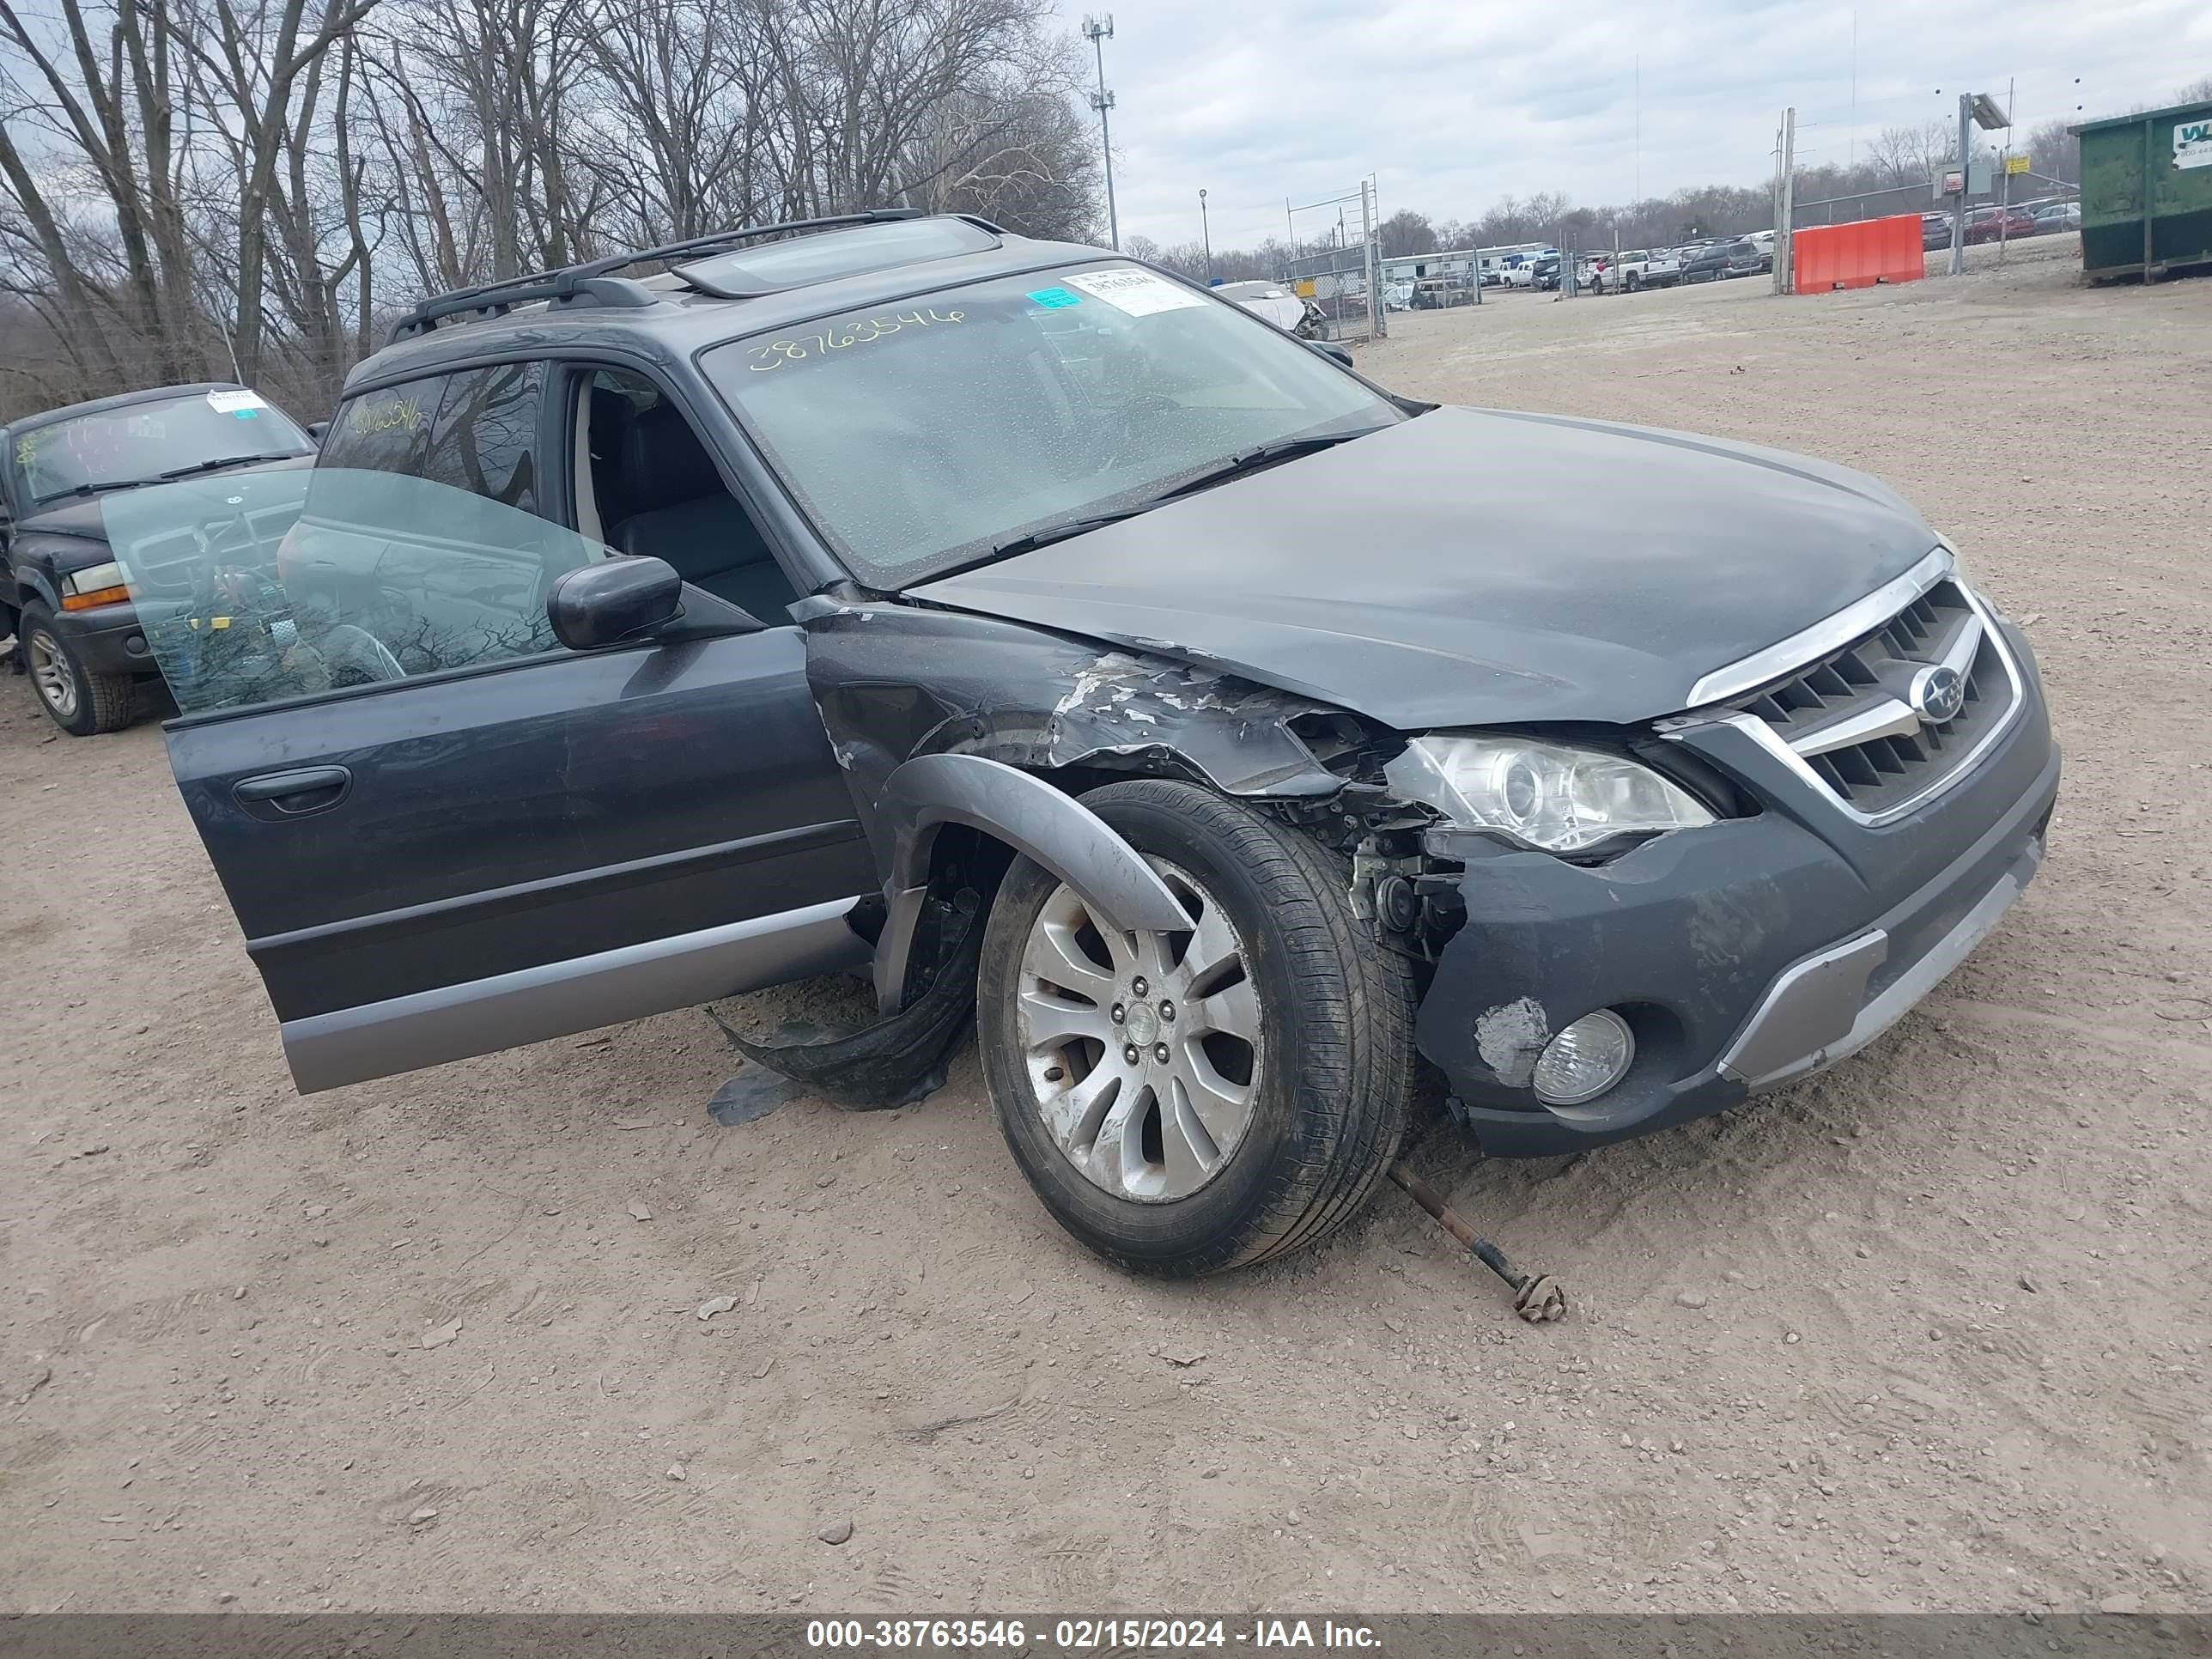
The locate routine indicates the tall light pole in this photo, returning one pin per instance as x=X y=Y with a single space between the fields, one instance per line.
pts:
x=1100 y=30
x=1206 y=233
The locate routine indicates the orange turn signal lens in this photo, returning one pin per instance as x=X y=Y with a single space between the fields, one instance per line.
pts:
x=98 y=597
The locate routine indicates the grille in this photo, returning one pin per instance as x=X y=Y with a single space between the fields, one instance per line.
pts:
x=1849 y=717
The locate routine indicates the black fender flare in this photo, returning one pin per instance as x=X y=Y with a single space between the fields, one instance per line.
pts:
x=1043 y=823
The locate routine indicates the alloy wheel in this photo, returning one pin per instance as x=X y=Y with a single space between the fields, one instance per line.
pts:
x=1143 y=1051
x=51 y=673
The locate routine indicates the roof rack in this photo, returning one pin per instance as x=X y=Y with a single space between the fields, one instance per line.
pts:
x=594 y=280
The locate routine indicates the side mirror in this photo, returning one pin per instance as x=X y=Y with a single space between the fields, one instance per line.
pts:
x=1342 y=354
x=318 y=430
x=613 y=600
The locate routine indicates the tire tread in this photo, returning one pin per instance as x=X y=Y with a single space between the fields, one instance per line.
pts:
x=106 y=701
x=1354 y=1003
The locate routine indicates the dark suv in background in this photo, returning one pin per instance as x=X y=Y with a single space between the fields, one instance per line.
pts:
x=1715 y=260
x=78 y=635
x=1072 y=653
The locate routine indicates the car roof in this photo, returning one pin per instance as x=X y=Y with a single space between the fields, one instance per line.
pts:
x=120 y=400
x=680 y=320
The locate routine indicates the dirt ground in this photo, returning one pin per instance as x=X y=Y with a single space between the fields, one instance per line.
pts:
x=1927 y=1332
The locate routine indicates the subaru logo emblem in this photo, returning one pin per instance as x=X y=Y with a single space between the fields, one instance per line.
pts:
x=1938 y=694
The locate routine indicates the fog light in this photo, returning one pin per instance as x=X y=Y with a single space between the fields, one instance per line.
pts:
x=1585 y=1060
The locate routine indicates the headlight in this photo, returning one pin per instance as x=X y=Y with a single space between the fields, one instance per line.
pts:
x=92 y=578
x=1544 y=795
x=92 y=587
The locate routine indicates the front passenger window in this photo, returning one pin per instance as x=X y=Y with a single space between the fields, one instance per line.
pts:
x=407 y=549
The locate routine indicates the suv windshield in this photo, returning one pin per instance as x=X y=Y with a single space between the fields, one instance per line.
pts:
x=148 y=443
x=924 y=435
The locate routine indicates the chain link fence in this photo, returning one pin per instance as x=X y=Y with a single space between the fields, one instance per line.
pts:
x=1343 y=277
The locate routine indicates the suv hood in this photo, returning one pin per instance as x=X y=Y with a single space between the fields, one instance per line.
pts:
x=1475 y=566
x=78 y=516
x=85 y=515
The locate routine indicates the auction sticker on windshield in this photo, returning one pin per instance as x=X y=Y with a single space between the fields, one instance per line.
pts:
x=1139 y=292
x=236 y=403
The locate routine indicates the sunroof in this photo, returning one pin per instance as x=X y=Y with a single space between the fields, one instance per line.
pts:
x=804 y=260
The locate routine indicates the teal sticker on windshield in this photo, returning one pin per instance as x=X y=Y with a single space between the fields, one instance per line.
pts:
x=1052 y=299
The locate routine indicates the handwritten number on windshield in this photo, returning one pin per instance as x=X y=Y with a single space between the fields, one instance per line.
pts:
x=866 y=331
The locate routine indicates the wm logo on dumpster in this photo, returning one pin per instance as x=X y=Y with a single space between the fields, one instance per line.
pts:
x=2192 y=143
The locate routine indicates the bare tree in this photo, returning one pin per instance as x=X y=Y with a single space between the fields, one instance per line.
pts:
x=257 y=60
x=680 y=100
x=97 y=88
x=1407 y=231
x=1903 y=155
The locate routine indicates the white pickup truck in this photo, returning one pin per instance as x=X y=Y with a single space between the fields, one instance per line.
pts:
x=1643 y=268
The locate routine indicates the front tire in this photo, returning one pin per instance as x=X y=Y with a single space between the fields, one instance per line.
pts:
x=1272 y=1077
x=82 y=702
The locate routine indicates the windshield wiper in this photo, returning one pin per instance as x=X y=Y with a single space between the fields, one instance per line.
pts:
x=77 y=491
x=210 y=466
x=1063 y=530
x=1252 y=460
x=1044 y=538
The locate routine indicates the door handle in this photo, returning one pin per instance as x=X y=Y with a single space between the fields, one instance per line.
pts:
x=309 y=789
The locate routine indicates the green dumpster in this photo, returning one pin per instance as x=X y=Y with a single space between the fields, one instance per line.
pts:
x=2146 y=192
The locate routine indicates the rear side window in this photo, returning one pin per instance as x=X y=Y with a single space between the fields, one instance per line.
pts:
x=476 y=430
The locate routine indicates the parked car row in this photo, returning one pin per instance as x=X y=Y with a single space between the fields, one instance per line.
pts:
x=2006 y=224
x=1705 y=261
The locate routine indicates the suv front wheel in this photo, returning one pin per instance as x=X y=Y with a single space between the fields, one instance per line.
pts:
x=1187 y=1102
x=82 y=703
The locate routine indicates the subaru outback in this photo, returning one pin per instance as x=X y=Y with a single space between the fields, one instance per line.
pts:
x=1074 y=656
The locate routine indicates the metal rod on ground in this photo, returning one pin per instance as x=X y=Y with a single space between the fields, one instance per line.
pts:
x=1537 y=1297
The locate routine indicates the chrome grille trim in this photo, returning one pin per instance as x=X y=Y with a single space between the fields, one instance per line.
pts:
x=1979 y=643
x=1785 y=658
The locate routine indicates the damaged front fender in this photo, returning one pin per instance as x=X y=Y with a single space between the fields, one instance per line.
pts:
x=938 y=717
x=1055 y=829
x=896 y=681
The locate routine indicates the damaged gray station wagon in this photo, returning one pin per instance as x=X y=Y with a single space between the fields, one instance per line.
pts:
x=1070 y=652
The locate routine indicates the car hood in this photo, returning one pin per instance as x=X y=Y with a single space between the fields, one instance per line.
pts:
x=85 y=516
x=1474 y=567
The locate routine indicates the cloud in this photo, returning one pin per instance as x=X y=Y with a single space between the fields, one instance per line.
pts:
x=1455 y=103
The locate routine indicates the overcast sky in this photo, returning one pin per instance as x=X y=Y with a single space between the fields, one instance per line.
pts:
x=1457 y=102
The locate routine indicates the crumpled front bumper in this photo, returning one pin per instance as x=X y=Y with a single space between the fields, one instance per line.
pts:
x=1744 y=955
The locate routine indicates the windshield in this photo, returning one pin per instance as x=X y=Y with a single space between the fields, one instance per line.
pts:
x=144 y=443
x=920 y=435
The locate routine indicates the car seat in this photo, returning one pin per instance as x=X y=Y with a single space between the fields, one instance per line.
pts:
x=694 y=522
